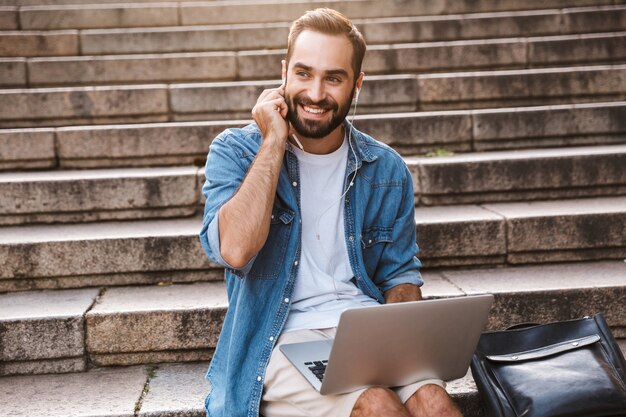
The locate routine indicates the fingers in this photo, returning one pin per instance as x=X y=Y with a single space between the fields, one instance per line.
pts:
x=270 y=113
x=272 y=93
x=276 y=105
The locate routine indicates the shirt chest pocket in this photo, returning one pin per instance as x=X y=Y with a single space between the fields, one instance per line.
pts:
x=271 y=257
x=373 y=242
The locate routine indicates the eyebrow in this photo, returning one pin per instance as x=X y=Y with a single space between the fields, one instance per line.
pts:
x=338 y=71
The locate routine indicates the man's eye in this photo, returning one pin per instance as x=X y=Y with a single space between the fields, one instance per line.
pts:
x=333 y=79
x=302 y=74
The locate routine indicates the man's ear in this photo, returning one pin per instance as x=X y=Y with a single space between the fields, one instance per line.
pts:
x=283 y=64
x=359 y=83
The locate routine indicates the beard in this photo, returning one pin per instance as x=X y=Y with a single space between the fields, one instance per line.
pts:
x=316 y=129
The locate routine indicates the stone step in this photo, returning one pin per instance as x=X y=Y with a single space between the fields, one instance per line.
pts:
x=165 y=390
x=152 y=251
x=185 y=143
x=176 y=323
x=8 y=17
x=240 y=37
x=253 y=65
x=381 y=94
x=522 y=233
x=104 y=253
x=136 y=193
x=80 y=16
x=520 y=87
x=95 y=195
x=548 y=174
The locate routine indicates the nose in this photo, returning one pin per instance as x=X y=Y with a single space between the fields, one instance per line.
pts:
x=316 y=91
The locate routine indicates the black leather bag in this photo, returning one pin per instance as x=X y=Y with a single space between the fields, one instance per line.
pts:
x=564 y=369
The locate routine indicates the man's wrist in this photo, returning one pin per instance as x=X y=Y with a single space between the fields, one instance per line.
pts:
x=274 y=139
x=403 y=293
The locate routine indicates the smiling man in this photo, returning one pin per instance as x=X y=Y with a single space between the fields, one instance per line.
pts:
x=309 y=216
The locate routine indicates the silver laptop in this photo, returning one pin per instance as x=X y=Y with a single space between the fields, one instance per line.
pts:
x=394 y=344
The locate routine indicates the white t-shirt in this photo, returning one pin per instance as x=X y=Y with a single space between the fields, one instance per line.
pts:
x=323 y=288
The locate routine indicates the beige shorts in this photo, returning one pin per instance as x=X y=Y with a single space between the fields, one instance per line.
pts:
x=287 y=393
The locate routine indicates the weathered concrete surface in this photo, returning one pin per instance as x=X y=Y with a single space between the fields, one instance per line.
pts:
x=459 y=235
x=411 y=133
x=395 y=91
x=43 y=330
x=464 y=393
x=593 y=48
x=185 y=39
x=39 y=43
x=238 y=37
x=12 y=72
x=81 y=103
x=199 y=66
x=549 y=292
x=379 y=59
x=272 y=11
x=520 y=175
x=559 y=125
x=526 y=87
x=138 y=145
x=599 y=18
x=455 y=27
x=251 y=36
x=176 y=390
x=381 y=94
x=217 y=97
x=97 y=393
x=439 y=56
x=168 y=319
x=110 y=253
x=98 y=16
x=408 y=133
x=26 y=149
x=438 y=286
x=8 y=18
x=75 y=196
x=552 y=231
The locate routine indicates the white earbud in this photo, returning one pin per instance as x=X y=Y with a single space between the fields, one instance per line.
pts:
x=358 y=91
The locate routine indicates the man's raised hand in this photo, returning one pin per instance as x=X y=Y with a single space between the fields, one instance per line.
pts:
x=270 y=114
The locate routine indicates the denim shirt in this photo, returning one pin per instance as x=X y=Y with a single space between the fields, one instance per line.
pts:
x=380 y=237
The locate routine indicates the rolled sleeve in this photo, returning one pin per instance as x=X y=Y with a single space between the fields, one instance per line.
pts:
x=224 y=172
x=409 y=277
x=213 y=240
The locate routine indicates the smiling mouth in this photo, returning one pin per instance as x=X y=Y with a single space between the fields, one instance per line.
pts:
x=314 y=110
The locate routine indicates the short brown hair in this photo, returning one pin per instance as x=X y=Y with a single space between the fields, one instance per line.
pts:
x=329 y=22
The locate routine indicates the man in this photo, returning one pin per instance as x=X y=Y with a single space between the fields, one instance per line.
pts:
x=309 y=217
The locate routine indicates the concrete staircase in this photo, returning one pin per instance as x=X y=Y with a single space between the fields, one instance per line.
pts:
x=511 y=116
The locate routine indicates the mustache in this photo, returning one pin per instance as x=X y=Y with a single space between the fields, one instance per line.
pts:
x=325 y=104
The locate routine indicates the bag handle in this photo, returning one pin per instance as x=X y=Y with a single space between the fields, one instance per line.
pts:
x=544 y=351
x=523 y=325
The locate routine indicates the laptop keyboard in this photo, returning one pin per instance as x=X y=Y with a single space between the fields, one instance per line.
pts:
x=318 y=368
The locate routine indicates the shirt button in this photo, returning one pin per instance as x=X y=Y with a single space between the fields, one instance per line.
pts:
x=271 y=338
x=295 y=184
x=286 y=300
x=272 y=217
x=369 y=241
x=296 y=263
x=258 y=378
x=351 y=238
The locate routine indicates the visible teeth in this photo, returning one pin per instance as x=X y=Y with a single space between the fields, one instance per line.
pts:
x=313 y=110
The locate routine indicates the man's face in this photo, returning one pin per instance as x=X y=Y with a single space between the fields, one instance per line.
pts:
x=319 y=83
